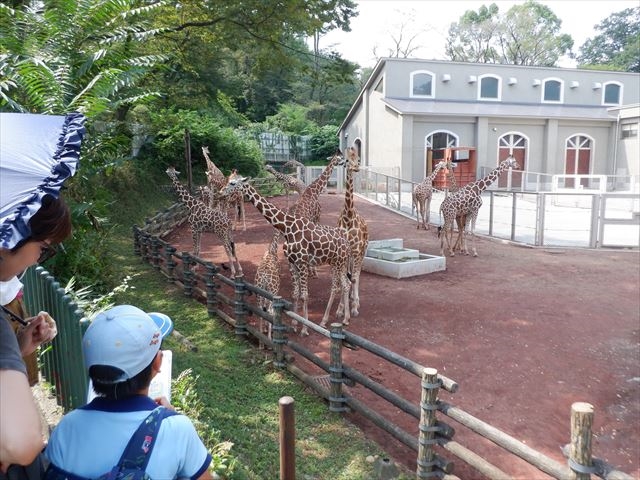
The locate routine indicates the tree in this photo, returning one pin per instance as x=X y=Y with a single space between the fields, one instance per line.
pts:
x=473 y=38
x=528 y=34
x=57 y=57
x=617 y=46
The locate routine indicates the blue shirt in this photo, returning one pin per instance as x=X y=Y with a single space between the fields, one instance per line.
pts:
x=90 y=440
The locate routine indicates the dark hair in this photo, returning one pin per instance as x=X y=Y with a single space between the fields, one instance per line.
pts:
x=52 y=221
x=102 y=376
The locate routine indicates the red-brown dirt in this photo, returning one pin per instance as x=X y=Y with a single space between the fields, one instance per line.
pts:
x=525 y=332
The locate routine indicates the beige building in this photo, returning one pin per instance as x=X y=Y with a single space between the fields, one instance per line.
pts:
x=555 y=121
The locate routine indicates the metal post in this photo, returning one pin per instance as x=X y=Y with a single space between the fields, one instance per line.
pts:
x=514 y=211
x=427 y=435
x=287 y=439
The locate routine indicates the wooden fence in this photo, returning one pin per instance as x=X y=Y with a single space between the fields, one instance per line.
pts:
x=229 y=299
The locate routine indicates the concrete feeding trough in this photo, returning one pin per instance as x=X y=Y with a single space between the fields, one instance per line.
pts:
x=390 y=259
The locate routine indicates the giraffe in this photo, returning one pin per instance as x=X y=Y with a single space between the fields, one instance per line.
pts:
x=295 y=164
x=422 y=197
x=203 y=218
x=356 y=228
x=466 y=203
x=308 y=205
x=307 y=244
x=268 y=278
x=291 y=182
x=460 y=219
x=217 y=180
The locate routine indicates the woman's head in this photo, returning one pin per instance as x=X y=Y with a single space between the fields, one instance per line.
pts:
x=50 y=225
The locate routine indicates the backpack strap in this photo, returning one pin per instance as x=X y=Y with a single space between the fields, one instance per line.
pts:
x=136 y=454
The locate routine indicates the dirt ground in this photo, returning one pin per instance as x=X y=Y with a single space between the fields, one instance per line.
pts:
x=524 y=331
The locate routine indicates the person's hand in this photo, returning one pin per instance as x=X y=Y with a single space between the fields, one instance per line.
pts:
x=162 y=401
x=40 y=329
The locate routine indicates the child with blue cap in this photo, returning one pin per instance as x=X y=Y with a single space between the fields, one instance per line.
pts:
x=122 y=355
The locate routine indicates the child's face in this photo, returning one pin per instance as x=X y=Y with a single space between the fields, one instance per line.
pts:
x=14 y=262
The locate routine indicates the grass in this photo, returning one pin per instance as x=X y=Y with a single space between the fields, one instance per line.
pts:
x=237 y=389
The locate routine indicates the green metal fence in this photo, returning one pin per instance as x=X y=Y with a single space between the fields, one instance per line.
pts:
x=62 y=363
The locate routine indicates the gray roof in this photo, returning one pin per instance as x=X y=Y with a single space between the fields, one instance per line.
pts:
x=407 y=106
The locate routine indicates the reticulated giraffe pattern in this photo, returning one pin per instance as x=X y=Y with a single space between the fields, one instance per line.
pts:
x=203 y=218
x=421 y=197
x=268 y=278
x=307 y=244
x=290 y=182
x=216 y=180
x=466 y=203
x=357 y=230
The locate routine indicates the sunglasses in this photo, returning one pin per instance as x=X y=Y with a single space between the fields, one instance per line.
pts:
x=47 y=251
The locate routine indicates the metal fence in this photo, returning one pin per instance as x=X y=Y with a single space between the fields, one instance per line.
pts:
x=539 y=218
x=62 y=363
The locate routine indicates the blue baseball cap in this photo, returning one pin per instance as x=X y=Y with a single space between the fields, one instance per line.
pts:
x=125 y=337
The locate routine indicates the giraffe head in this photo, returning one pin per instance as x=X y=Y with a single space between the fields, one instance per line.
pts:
x=352 y=159
x=172 y=172
x=234 y=184
x=510 y=162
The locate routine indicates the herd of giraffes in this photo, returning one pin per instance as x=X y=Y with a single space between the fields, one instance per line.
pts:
x=307 y=243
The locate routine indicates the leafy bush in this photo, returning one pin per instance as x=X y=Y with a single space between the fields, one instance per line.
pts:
x=226 y=149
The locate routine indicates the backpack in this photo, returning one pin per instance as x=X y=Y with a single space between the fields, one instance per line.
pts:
x=133 y=462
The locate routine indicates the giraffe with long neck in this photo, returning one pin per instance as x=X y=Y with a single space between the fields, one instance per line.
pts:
x=460 y=220
x=356 y=228
x=203 y=218
x=422 y=197
x=307 y=244
x=308 y=205
x=217 y=180
x=466 y=203
x=268 y=278
x=291 y=182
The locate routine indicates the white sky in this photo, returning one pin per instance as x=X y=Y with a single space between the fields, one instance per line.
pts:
x=378 y=20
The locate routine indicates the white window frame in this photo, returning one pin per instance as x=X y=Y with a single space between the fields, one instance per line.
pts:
x=433 y=84
x=604 y=90
x=485 y=99
x=544 y=89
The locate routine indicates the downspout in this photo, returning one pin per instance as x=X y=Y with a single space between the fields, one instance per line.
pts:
x=615 y=149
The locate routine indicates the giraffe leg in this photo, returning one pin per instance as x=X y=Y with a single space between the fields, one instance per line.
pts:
x=295 y=276
x=427 y=213
x=305 y=299
x=472 y=230
x=335 y=287
x=196 y=235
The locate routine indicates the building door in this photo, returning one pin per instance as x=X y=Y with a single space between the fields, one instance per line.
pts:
x=516 y=145
x=435 y=144
x=578 y=159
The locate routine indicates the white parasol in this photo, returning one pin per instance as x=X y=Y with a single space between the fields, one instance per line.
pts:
x=37 y=154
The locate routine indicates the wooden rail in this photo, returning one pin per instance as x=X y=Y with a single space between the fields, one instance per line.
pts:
x=227 y=299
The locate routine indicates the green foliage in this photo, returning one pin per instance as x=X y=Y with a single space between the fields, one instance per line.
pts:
x=74 y=56
x=227 y=149
x=528 y=34
x=617 y=47
x=324 y=141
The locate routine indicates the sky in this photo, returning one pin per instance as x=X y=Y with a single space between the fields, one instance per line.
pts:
x=378 y=20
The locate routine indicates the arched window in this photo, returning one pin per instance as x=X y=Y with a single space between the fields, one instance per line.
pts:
x=612 y=93
x=553 y=90
x=516 y=145
x=489 y=87
x=435 y=145
x=423 y=84
x=578 y=153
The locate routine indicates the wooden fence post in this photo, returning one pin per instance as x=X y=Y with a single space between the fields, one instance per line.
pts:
x=580 y=453
x=155 y=252
x=187 y=274
x=278 y=332
x=136 y=240
x=170 y=263
x=211 y=287
x=427 y=435
x=238 y=306
x=336 y=400
x=287 y=439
